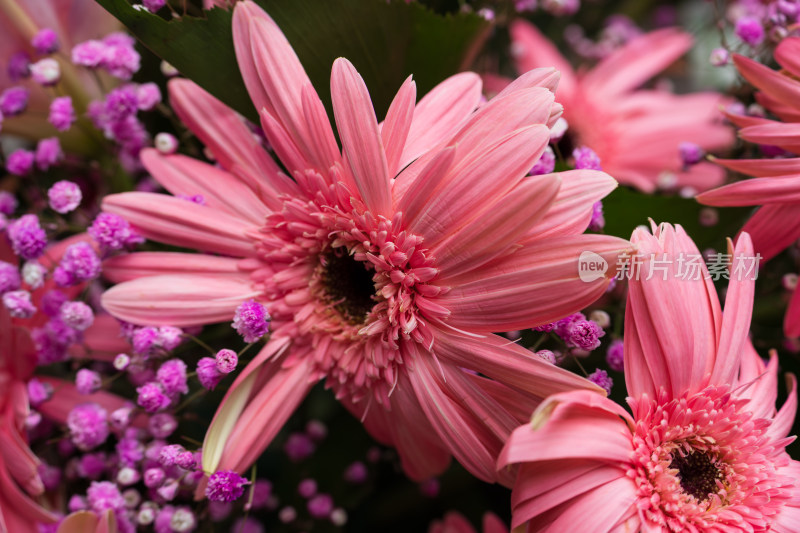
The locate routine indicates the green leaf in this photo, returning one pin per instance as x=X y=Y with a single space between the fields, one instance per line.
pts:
x=625 y=209
x=386 y=41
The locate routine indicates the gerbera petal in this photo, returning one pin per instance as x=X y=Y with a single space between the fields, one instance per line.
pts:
x=761 y=168
x=183 y=223
x=235 y=401
x=537 y=284
x=178 y=300
x=219 y=128
x=784 y=420
x=440 y=113
x=220 y=190
x=127 y=267
x=782 y=88
x=637 y=61
x=508 y=363
x=666 y=291
x=243 y=14
x=532 y=50
x=755 y=191
x=787 y=53
x=500 y=226
x=571 y=210
x=773 y=227
x=737 y=312
x=66 y=396
x=459 y=201
x=267 y=410
x=396 y=126
x=775 y=133
x=361 y=139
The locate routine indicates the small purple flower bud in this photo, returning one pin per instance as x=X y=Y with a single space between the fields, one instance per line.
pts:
x=79 y=263
x=168 y=490
x=89 y=54
x=20 y=162
x=186 y=460
x=148 y=95
x=112 y=232
x=18 y=66
x=169 y=337
x=127 y=476
x=52 y=301
x=77 y=503
x=585 y=158
x=145 y=341
x=207 y=373
x=166 y=143
x=19 y=304
x=88 y=426
x=251 y=320
x=121 y=103
x=691 y=154
x=120 y=418
x=320 y=506
x=287 y=515
x=719 y=57
x=225 y=486
x=151 y=397
x=546 y=163
x=601 y=379
x=316 y=430
x=121 y=60
x=13 y=101
x=92 y=465
x=162 y=425
x=62 y=114
x=51 y=476
x=430 y=488
x=547 y=355
x=39 y=392
x=9 y=278
x=48 y=153
x=584 y=334
x=46 y=71
x=172 y=376
x=749 y=30
x=104 y=495
x=562 y=326
x=298 y=447
x=356 y=473
x=615 y=356
x=153 y=477
x=64 y=196
x=121 y=361
x=168 y=456
x=8 y=203
x=45 y=41
x=33 y=274
x=226 y=361
x=307 y=488
x=87 y=381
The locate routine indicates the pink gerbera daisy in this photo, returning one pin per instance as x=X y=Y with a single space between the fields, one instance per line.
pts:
x=776 y=183
x=636 y=133
x=385 y=266
x=702 y=451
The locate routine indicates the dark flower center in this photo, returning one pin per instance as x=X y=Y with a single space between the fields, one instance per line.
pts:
x=698 y=473
x=348 y=286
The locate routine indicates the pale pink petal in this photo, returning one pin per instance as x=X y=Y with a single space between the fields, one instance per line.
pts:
x=501 y=225
x=440 y=113
x=755 y=191
x=532 y=50
x=736 y=315
x=469 y=191
x=508 y=363
x=66 y=396
x=221 y=130
x=282 y=143
x=235 y=401
x=183 y=223
x=636 y=62
x=243 y=14
x=396 y=126
x=127 y=267
x=221 y=190
x=758 y=382
x=775 y=133
x=571 y=211
x=361 y=140
x=267 y=410
x=773 y=227
x=761 y=168
x=322 y=142
x=782 y=88
x=429 y=173
x=178 y=300
x=102 y=341
x=666 y=293
x=783 y=422
x=537 y=284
